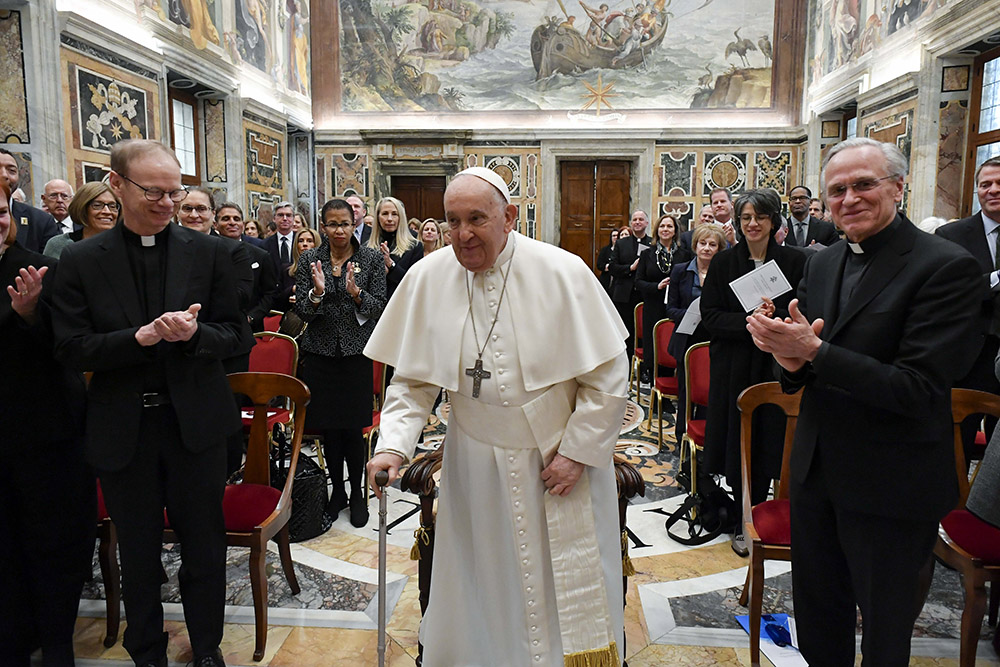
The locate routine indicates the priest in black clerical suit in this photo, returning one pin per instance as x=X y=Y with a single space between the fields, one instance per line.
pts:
x=624 y=263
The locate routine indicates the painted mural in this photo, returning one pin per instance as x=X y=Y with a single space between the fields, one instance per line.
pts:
x=251 y=42
x=497 y=55
x=200 y=16
x=843 y=30
x=296 y=23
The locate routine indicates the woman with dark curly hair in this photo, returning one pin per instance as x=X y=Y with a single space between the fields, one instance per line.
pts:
x=341 y=293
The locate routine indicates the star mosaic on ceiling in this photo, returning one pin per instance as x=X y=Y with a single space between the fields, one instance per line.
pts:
x=598 y=95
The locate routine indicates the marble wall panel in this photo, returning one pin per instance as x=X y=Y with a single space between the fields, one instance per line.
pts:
x=773 y=170
x=953 y=119
x=215 y=141
x=520 y=167
x=265 y=158
x=106 y=99
x=678 y=174
x=13 y=96
x=25 y=180
x=350 y=173
x=893 y=124
x=724 y=170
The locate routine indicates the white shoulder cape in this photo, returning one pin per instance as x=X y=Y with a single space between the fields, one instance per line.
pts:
x=565 y=324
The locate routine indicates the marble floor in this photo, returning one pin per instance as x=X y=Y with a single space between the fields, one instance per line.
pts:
x=680 y=607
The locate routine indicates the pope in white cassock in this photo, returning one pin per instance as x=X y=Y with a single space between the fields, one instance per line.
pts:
x=531 y=350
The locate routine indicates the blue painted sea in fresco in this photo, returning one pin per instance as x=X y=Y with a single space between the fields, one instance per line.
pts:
x=504 y=78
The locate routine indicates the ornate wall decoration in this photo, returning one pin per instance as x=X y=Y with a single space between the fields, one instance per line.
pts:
x=772 y=170
x=251 y=42
x=509 y=169
x=411 y=152
x=350 y=174
x=215 y=141
x=951 y=149
x=13 y=97
x=297 y=45
x=109 y=110
x=321 y=180
x=678 y=174
x=530 y=176
x=200 y=16
x=94 y=172
x=725 y=170
x=893 y=125
x=682 y=211
x=264 y=158
x=25 y=181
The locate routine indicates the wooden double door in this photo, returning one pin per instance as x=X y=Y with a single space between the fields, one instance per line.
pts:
x=423 y=196
x=594 y=200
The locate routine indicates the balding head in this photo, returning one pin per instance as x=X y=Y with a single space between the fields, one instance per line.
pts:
x=57 y=196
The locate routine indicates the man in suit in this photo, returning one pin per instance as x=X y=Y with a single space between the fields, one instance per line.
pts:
x=804 y=229
x=721 y=200
x=229 y=223
x=150 y=307
x=876 y=338
x=623 y=265
x=705 y=216
x=279 y=245
x=34 y=226
x=979 y=235
x=56 y=197
x=361 y=230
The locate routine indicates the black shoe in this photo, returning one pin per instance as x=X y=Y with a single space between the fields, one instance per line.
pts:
x=209 y=660
x=359 y=512
x=336 y=505
x=645 y=377
x=739 y=545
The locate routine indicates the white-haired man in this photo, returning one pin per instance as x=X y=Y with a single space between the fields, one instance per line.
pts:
x=527 y=517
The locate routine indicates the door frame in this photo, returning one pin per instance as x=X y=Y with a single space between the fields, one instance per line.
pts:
x=640 y=152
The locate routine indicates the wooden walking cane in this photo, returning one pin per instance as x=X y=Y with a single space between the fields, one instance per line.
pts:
x=381 y=478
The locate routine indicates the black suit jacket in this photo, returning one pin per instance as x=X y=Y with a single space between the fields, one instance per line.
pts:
x=969 y=234
x=96 y=312
x=820 y=231
x=285 y=281
x=876 y=405
x=366 y=232
x=34 y=226
x=623 y=255
x=265 y=286
x=258 y=243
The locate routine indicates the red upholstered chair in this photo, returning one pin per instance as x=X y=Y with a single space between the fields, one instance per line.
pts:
x=255 y=512
x=696 y=377
x=272 y=321
x=107 y=556
x=965 y=543
x=273 y=353
x=766 y=526
x=636 y=351
x=663 y=385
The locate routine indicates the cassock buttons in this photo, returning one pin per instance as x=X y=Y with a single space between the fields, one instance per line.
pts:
x=491 y=287
x=497 y=355
x=500 y=371
x=495 y=337
x=506 y=403
x=503 y=387
x=493 y=304
x=510 y=458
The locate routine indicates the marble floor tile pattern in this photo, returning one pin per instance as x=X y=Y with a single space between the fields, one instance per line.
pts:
x=679 y=605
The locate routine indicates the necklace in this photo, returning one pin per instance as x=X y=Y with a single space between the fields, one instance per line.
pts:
x=476 y=372
x=664 y=258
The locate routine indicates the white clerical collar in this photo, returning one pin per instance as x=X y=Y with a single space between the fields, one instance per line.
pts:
x=856 y=248
x=147 y=241
x=508 y=250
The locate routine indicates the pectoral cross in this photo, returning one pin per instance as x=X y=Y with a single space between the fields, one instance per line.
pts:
x=477 y=374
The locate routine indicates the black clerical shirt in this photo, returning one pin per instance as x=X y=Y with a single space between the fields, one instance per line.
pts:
x=148 y=263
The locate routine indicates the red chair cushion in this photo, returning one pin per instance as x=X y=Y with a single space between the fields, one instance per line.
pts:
x=772 y=521
x=667 y=384
x=637 y=353
x=102 y=510
x=274 y=416
x=974 y=535
x=696 y=430
x=245 y=506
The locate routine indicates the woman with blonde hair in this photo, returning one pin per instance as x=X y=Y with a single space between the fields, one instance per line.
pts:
x=430 y=240
x=392 y=239
x=95 y=208
x=305 y=239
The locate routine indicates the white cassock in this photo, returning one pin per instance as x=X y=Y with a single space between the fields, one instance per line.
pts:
x=520 y=577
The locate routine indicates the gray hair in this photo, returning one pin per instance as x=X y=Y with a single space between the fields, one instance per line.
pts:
x=895 y=160
x=284 y=204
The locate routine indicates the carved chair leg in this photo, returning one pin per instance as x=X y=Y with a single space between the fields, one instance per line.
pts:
x=285 y=552
x=745 y=594
x=258 y=586
x=756 y=600
x=972 y=620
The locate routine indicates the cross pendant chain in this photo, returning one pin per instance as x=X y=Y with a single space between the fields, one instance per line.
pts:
x=478 y=375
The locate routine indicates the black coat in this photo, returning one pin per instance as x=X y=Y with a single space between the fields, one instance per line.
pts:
x=285 y=280
x=683 y=289
x=820 y=231
x=265 y=286
x=604 y=260
x=624 y=253
x=737 y=363
x=647 y=279
x=34 y=226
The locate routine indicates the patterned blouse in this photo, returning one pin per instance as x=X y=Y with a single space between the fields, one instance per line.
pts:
x=334 y=330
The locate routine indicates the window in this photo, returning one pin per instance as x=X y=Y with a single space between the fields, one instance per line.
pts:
x=984 y=123
x=184 y=135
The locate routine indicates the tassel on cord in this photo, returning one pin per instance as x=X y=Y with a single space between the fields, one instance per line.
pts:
x=628 y=570
x=419 y=535
x=598 y=657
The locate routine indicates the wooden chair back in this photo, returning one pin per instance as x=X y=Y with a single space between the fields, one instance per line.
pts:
x=751 y=398
x=966 y=402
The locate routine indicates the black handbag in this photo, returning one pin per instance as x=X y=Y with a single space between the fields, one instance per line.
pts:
x=707 y=514
x=309 y=496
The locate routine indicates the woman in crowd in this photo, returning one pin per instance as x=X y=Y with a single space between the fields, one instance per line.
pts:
x=299 y=223
x=304 y=240
x=95 y=207
x=604 y=260
x=624 y=232
x=445 y=232
x=430 y=240
x=392 y=238
x=651 y=279
x=736 y=361
x=252 y=229
x=48 y=495
x=341 y=289
x=414 y=225
x=686 y=281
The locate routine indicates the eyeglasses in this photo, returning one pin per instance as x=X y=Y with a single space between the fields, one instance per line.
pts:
x=200 y=210
x=156 y=194
x=97 y=206
x=338 y=225
x=799 y=198
x=864 y=185
x=760 y=217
